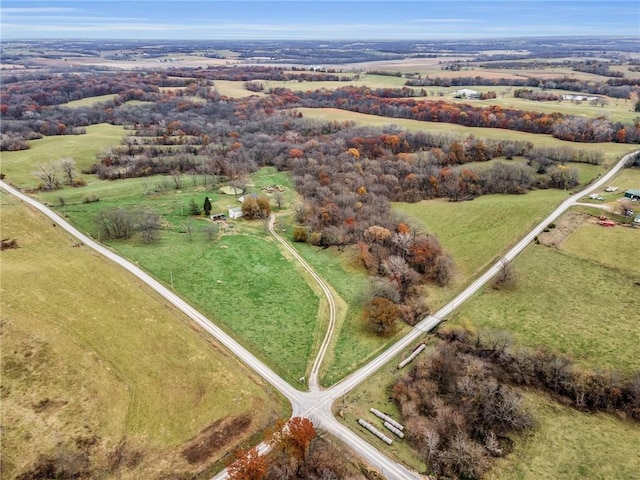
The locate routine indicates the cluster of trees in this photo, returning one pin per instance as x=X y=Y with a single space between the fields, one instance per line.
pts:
x=597 y=68
x=32 y=95
x=614 y=87
x=556 y=374
x=399 y=263
x=120 y=223
x=239 y=73
x=54 y=173
x=536 y=95
x=458 y=414
x=364 y=100
x=460 y=409
x=296 y=453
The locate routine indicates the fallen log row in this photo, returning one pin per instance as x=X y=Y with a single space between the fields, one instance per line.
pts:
x=375 y=431
x=398 y=432
x=412 y=356
x=386 y=417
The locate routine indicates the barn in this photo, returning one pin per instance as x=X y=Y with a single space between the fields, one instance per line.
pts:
x=632 y=194
x=235 y=212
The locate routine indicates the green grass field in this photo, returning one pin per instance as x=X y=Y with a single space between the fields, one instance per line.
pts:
x=477 y=232
x=613 y=151
x=19 y=166
x=89 y=101
x=352 y=345
x=568 y=304
x=233 y=89
x=617 y=248
x=571 y=445
x=88 y=351
x=244 y=283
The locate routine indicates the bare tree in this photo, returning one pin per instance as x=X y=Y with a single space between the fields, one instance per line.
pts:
x=301 y=212
x=176 y=176
x=149 y=225
x=399 y=272
x=443 y=270
x=431 y=442
x=115 y=223
x=68 y=167
x=278 y=196
x=48 y=174
x=506 y=277
x=211 y=231
x=402 y=243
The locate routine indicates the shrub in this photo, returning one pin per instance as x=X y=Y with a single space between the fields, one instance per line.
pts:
x=300 y=234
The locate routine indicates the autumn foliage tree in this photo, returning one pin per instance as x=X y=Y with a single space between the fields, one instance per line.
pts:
x=300 y=432
x=248 y=465
x=380 y=315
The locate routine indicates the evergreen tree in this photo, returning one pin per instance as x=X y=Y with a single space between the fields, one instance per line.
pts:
x=207 y=206
x=193 y=208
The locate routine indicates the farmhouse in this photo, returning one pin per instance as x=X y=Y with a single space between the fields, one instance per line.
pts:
x=235 y=212
x=579 y=98
x=632 y=194
x=466 y=93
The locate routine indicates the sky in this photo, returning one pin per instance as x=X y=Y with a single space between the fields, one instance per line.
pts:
x=316 y=20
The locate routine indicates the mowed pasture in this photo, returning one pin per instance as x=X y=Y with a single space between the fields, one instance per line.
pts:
x=243 y=283
x=616 y=248
x=94 y=361
x=476 y=233
x=568 y=304
x=612 y=151
x=571 y=445
x=90 y=101
x=19 y=166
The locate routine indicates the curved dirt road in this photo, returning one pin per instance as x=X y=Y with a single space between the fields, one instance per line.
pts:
x=314 y=384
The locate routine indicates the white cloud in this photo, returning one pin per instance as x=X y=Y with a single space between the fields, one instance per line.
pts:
x=445 y=20
x=29 y=10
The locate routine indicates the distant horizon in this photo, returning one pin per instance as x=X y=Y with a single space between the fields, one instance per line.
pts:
x=318 y=20
x=335 y=40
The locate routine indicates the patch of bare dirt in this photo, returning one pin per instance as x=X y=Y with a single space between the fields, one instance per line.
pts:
x=214 y=437
x=47 y=404
x=557 y=233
